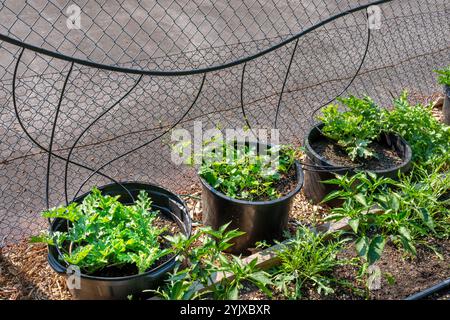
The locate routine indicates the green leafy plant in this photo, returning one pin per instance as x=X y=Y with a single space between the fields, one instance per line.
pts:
x=103 y=232
x=242 y=173
x=379 y=209
x=427 y=137
x=443 y=75
x=354 y=129
x=308 y=259
x=405 y=212
x=199 y=265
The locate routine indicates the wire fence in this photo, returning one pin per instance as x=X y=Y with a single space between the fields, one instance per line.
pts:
x=100 y=84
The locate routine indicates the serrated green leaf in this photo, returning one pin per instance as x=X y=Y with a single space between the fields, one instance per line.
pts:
x=43 y=238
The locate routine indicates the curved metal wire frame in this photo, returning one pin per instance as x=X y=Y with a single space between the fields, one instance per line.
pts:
x=363 y=59
x=142 y=73
x=52 y=136
x=66 y=169
x=236 y=62
x=40 y=146
x=284 y=83
x=148 y=142
x=309 y=166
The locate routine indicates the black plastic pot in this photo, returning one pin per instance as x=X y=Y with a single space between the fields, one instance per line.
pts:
x=446 y=105
x=107 y=288
x=322 y=169
x=261 y=220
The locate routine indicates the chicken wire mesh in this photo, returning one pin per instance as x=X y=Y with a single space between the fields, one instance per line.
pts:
x=102 y=83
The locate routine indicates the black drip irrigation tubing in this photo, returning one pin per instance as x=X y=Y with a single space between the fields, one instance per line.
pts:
x=429 y=291
x=212 y=68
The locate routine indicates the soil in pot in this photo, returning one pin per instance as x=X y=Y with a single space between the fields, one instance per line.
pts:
x=385 y=157
x=246 y=172
x=325 y=159
x=286 y=184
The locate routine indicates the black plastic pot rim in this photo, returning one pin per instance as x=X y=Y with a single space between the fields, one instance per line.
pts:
x=297 y=189
x=154 y=270
x=330 y=167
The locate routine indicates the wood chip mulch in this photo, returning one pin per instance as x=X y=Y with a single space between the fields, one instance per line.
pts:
x=25 y=274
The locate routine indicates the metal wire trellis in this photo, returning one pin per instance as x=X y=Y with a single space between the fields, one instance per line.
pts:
x=82 y=107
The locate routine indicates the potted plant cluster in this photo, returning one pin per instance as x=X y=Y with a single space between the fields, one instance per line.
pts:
x=402 y=210
x=253 y=190
x=444 y=79
x=356 y=139
x=115 y=236
x=131 y=239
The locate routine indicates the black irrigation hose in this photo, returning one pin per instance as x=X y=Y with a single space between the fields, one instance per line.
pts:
x=193 y=71
x=429 y=291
